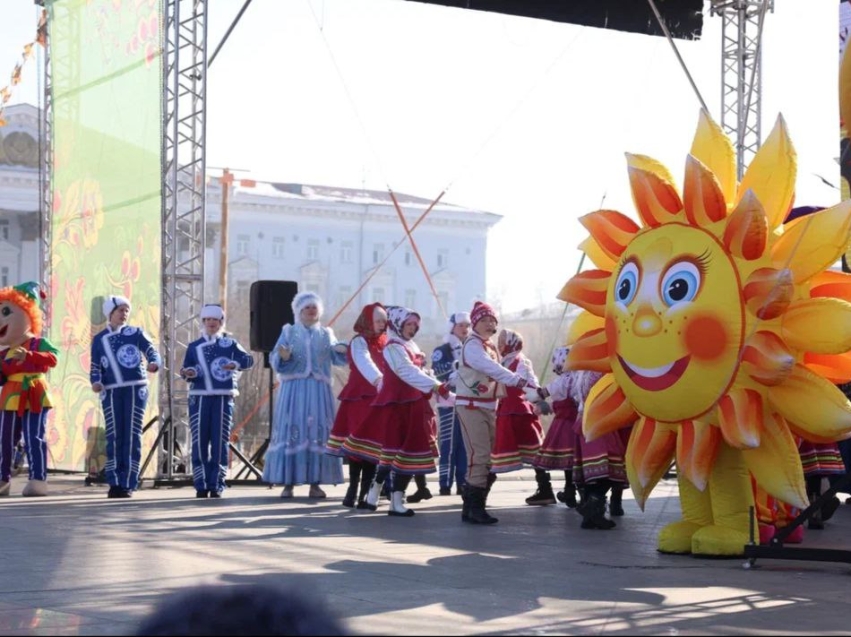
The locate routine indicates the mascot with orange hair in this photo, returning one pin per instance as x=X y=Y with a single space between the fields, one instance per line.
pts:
x=25 y=358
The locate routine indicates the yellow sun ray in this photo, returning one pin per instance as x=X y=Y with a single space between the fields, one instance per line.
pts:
x=821 y=326
x=772 y=173
x=715 y=151
x=814 y=242
x=596 y=255
x=776 y=464
x=794 y=401
x=583 y=323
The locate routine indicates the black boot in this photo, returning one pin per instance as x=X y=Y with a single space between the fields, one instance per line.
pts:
x=354 y=480
x=816 y=521
x=465 y=507
x=616 y=502
x=568 y=496
x=422 y=492
x=544 y=494
x=366 y=477
x=594 y=513
x=477 y=514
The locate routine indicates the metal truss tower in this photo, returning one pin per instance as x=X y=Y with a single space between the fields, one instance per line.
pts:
x=183 y=219
x=741 y=77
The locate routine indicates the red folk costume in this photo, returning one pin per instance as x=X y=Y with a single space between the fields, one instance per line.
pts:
x=365 y=374
x=518 y=430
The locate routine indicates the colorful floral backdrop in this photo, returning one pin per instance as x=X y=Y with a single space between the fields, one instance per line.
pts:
x=106 y=90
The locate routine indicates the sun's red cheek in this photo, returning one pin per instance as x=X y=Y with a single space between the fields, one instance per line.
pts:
x=611 y=335
x=705 y=337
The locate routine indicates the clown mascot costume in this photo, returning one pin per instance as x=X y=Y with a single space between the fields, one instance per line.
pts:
x=118 y=375
x=25 y=357
x=212 y=365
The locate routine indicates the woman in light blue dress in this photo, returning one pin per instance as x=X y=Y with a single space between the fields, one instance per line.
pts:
x=304 y=406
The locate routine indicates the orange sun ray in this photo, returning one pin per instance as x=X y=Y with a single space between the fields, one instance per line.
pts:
x=768 y=292
x=611 y=230
x=588 y=291
x=746 y=233
x=740 y=415
x=766 y=359
x=834 y=367
x=702 y=196
x=831 y=284
x=697 y=447
x=649 y=454
x=591 y=352
x=606 y=409
x=656 y=199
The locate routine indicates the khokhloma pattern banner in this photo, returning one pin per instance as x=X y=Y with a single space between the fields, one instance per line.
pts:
x=106 y=239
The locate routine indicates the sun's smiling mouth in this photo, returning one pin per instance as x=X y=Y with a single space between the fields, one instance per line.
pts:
x=655 y=378
x=3 y=330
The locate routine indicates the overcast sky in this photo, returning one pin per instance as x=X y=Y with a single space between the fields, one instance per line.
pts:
x=525 y=118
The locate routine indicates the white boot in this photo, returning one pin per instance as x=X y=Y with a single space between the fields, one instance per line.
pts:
x=35 y=488
x=397 y=505
x=5 y=487
x=372 y=496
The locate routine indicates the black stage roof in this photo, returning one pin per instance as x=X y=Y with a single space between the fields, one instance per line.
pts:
x=684 y=18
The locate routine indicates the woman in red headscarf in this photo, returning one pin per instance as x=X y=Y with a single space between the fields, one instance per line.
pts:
x=365 y=376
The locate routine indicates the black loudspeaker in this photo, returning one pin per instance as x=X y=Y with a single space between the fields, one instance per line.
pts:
x=271 y=309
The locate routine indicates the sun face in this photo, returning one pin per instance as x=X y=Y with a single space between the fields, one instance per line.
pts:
x=714 y=322
x=667 y=334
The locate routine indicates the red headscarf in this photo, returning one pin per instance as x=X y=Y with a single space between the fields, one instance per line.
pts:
x=365 y=322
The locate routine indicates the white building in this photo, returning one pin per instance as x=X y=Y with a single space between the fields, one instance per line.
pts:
x=330 y=240
x=327 y=239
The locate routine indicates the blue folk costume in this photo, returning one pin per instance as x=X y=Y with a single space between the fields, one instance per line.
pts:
x=117 y=364
x=211 y=402
x=304 y=406
x=453 y=456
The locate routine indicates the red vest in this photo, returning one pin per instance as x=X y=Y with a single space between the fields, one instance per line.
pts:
x=358 y=387
x=514 y=401
x=394 y=389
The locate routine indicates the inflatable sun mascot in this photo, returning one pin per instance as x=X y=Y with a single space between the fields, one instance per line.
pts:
x=25 y=358
x=720 y=332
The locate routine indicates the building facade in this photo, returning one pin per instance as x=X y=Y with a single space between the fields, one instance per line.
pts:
x=329 y=240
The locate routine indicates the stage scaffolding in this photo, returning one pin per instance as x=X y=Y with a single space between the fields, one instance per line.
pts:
x=184 y=64
x=741 y=75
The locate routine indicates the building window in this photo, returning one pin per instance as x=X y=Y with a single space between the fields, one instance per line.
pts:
x=312 y=249
x=4 y=277
x=409 y=258
x=347 y=250
x=377 y=253
x=278 y=247
x=242 y=243
x=378 y=295
x=4 y=230
x=411 y=299
x=344 y=293
x=443 y=258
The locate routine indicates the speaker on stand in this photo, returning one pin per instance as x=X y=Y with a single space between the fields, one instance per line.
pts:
x=271 y=309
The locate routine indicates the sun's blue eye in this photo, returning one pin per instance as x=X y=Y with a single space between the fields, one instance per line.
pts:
x=627 y=284
x=680 y=283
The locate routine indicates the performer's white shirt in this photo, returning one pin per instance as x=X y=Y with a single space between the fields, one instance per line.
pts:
x=524 y=368
x=359 y=349
x=476 y=357
x=398 y=360
x=559 y=387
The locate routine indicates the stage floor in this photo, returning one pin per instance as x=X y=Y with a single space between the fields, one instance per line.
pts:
x=76 y=563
